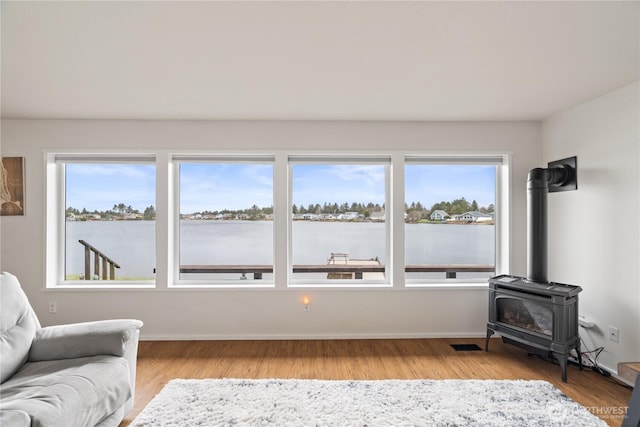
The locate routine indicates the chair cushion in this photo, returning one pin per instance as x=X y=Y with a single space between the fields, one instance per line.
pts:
x=18 y=324
x=68 y=392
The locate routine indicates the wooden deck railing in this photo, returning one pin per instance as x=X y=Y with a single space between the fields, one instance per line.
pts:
x=99 y=260
x=450 y=270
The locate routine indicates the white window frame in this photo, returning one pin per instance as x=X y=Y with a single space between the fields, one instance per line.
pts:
x=342 y=159
x=167 y=209
x=502 y=208
x=55 y=226
x=176 y=160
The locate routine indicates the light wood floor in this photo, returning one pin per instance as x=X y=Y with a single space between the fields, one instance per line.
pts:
x=159 y=362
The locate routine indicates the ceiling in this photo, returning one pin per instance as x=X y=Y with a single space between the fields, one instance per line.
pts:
x=313 y=60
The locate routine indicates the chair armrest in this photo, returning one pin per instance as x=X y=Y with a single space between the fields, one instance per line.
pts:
x=105 y=337
x=14 y=418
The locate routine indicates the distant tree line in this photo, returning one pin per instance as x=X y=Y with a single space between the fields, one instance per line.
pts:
x=455 y=207
x=253 y=213
x=460 y=206
x=335 y=208
x=414 y=210
x=119 y=211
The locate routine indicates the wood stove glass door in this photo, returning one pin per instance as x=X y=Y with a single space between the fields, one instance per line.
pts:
x=533 y=316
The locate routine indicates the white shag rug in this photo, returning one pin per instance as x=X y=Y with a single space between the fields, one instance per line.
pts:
x=238 y=402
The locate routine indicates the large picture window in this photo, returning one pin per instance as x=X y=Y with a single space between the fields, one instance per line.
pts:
x=276 y=220
x=225 y=219
x=450 y=218
x=339 y=232
x=109 y=218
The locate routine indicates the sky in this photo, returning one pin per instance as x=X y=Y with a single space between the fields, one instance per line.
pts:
x=235 y=186
x=100 y=186
x=219 y=186
x=431 y=184
x=317 y=183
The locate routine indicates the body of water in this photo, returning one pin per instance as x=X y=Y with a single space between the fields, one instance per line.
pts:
x=132 y=244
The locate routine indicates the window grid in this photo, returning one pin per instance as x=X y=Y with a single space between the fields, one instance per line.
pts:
x=282 y=199
x=360 y=276
x=91 y=258
x=216 y=265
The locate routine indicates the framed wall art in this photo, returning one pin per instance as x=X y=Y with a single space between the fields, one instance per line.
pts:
x=12 y=194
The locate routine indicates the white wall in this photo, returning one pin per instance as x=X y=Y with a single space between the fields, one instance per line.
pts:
x=199 y=314
x=594 y=238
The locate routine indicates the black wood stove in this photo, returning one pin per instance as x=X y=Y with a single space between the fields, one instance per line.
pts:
x=533 y=313
x=542 y=318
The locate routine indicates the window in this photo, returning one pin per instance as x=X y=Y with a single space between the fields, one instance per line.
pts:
x=275 y=220
x=450 y=219
x=225 y=219
x=107 y=219
x=339 y=232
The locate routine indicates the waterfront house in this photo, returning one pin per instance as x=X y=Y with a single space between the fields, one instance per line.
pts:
x=439 y=215
x=377 y=216
x=474 y=216
x=347 y=216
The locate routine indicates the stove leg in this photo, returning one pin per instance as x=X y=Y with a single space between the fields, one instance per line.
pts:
x=563 y=359
x=579 y=356
x=486 y=342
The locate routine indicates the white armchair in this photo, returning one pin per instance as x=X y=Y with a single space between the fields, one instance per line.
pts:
x=69 y=375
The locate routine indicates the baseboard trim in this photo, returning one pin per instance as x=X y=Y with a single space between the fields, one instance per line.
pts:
x=281 y=337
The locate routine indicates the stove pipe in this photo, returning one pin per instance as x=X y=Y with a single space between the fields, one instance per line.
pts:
x=538 y=183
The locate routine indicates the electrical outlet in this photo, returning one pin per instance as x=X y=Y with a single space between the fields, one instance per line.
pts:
x=306 y=307
x=53 y=308
x=614 y=334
